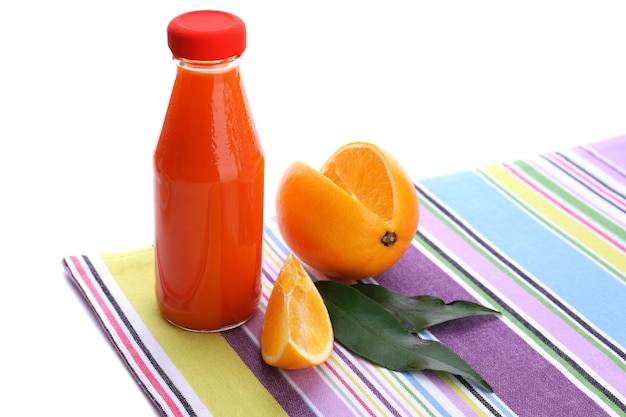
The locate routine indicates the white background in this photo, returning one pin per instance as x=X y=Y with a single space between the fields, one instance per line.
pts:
x=444 y=86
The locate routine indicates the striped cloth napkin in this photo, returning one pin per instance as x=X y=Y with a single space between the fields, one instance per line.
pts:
x=541 y=240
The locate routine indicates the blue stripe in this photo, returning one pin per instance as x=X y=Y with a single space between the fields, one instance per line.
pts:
x=425 y=394
x=579 y=281
x=275 y=240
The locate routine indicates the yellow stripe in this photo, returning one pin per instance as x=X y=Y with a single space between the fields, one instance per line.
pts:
x=358 y=387
x=571 y=226
x=271 y=255
x=462 y=394
x=399 y=391
x=212 y=368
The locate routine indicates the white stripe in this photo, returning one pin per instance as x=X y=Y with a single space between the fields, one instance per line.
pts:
x=151 y=344
x=582 y=193
x=553 y=228
x=536 y=346
x=596 y=172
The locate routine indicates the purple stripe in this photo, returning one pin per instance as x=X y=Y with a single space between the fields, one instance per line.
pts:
x=269 y=376
x=273 y=378
x=599 y=201
x=454 y=398
x=369 y=369
x=553 y=324
x=520 y=376
x=599 y=183
x=613 y=150
x=348 y=361
x=308 y=380
x=598 y=161
x=276 y=381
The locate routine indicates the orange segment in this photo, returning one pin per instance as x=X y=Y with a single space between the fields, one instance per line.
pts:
x=353 y=219
x=296 y=331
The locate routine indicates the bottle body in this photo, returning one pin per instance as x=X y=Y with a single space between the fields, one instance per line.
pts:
x=208 y=189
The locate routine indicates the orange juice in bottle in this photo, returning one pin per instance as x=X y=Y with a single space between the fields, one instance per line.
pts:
x=208 y=181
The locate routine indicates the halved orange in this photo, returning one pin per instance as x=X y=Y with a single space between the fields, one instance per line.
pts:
x=296 y=332
x=355 y=218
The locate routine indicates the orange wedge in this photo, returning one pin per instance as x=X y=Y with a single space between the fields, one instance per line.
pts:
x=296 y=331
x=354 y=218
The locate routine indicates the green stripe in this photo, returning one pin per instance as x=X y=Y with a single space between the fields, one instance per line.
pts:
x=551 y=226
x=572 y=200
x=523 y=284
x=411 y=393
x=459 y=274
x=349 y=400
x=325 y=375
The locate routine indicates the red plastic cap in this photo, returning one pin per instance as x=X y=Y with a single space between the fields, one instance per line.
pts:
x=206 y=35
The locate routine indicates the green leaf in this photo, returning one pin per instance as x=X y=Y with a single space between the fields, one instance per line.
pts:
x=367 y=329
x=423 y=311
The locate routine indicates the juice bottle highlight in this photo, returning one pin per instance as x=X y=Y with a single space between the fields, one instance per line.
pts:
x=208 y=181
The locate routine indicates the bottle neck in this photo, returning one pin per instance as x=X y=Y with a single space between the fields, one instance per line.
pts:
x=221 y=65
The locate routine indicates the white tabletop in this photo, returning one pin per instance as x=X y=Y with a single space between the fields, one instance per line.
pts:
x=443 y=86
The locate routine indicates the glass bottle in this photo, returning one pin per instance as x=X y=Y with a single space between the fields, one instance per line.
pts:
x=208 y=181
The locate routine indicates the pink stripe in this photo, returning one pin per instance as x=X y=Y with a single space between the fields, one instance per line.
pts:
x=608 y=168
x=589 y=180
x=297 y=374
x=566 y=209
x=308 y=381
x=596 y=202
x=450 y=393
x=345 y=384
x=322 y=401
x=384 y=388
x=122 y=335
x=537 y=311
